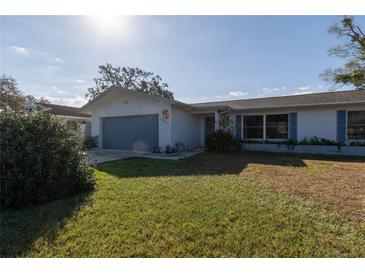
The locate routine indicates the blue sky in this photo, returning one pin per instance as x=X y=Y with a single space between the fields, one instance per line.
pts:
x=202 y=58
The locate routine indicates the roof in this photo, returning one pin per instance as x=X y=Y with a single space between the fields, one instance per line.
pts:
x=112 y=89
x=324 y=98
x=304 y=100
x=63 y=110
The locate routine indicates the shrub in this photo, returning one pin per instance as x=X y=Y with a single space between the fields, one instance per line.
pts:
x=180 y=147
x=41 y=160
x=221 y=141
x=317 y=141
x=91 y=142
x=290 y=144
x=167 y=149
x=170 y=149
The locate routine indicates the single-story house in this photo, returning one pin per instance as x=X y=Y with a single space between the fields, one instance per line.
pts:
x=133 y=120
x=65 y=113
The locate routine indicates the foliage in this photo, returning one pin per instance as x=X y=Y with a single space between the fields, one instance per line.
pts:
x=353 y=72
x=42 y=159
x=221 y=141
x=317 y=141
x=180 y=147
x=225 y=123
x=32 y=99
x=292 y=143
x=91 y=142
x=129 y=78
x=11 y=97
x=73 y=124
x=170 y=149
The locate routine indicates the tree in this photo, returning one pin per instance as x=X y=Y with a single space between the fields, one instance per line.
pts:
x=129 y=78
x=353 y=50
x=11 y=97
x=42 y=100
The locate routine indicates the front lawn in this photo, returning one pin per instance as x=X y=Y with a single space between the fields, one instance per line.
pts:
x=210 y=205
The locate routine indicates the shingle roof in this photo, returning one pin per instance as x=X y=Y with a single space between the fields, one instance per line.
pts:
x=325 y=98
x=85 y=108
x=64 y=110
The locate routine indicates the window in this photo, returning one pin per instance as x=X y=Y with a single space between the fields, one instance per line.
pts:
x=356 y=125
x=277 y=126
x=253 y=127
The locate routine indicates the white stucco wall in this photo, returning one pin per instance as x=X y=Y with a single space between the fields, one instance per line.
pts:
x=125 y=104
x=313 y=121
x=320 y=123
x=185 y=127
x=189 y=128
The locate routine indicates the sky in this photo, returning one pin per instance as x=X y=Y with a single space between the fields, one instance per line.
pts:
x=202 y=58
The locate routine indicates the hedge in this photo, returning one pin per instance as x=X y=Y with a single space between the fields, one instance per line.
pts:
x=42 y=159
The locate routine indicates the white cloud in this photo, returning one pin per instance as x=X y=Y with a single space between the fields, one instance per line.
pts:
x=265 y=92
x=54 y=67
x=304 y=88
x=76 y=101
x=308 y=89
x=59 y=60
x=20 y=50
x=58 y=91
x=79 y=81
x=238 y=93
x=83 y=87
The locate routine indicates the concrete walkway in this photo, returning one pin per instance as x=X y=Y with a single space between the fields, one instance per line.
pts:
x=98 y=155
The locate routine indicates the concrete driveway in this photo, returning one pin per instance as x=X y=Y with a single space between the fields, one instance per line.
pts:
x=105 y=155
x=100 y=155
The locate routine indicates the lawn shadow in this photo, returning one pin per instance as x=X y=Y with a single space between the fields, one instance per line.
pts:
x=20 y=229
x=212 y=164
x=202 y=164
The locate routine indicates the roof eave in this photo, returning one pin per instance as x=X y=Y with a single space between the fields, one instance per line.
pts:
x=301 y=105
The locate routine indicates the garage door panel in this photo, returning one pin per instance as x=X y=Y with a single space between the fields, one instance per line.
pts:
x=131 y=133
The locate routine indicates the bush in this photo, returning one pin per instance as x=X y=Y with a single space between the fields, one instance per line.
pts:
x=41 y=160
x=180 y=147
x=317 y=141
x=91 y=142
x=221 y=141
x=170 y=149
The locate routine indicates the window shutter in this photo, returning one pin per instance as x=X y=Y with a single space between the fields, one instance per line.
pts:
x=238 y=127
x=341 y=125
x=293 y=126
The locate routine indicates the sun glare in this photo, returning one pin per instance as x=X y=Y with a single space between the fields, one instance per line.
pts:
x=107 y=21
x=109 y=24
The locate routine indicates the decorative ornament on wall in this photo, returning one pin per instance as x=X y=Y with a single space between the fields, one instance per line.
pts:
x=165 y=116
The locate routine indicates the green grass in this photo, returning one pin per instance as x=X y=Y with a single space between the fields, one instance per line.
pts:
x=196 y=207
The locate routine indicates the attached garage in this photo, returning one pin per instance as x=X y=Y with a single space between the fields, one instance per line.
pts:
x=139 y=133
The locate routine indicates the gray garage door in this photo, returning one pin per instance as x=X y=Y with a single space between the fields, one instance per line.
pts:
x=131 y=133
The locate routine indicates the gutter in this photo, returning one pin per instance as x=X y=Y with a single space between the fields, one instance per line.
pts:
x=301 y=105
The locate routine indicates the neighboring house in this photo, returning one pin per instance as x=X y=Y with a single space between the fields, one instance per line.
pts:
x=66 y=113
x=132 y=120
